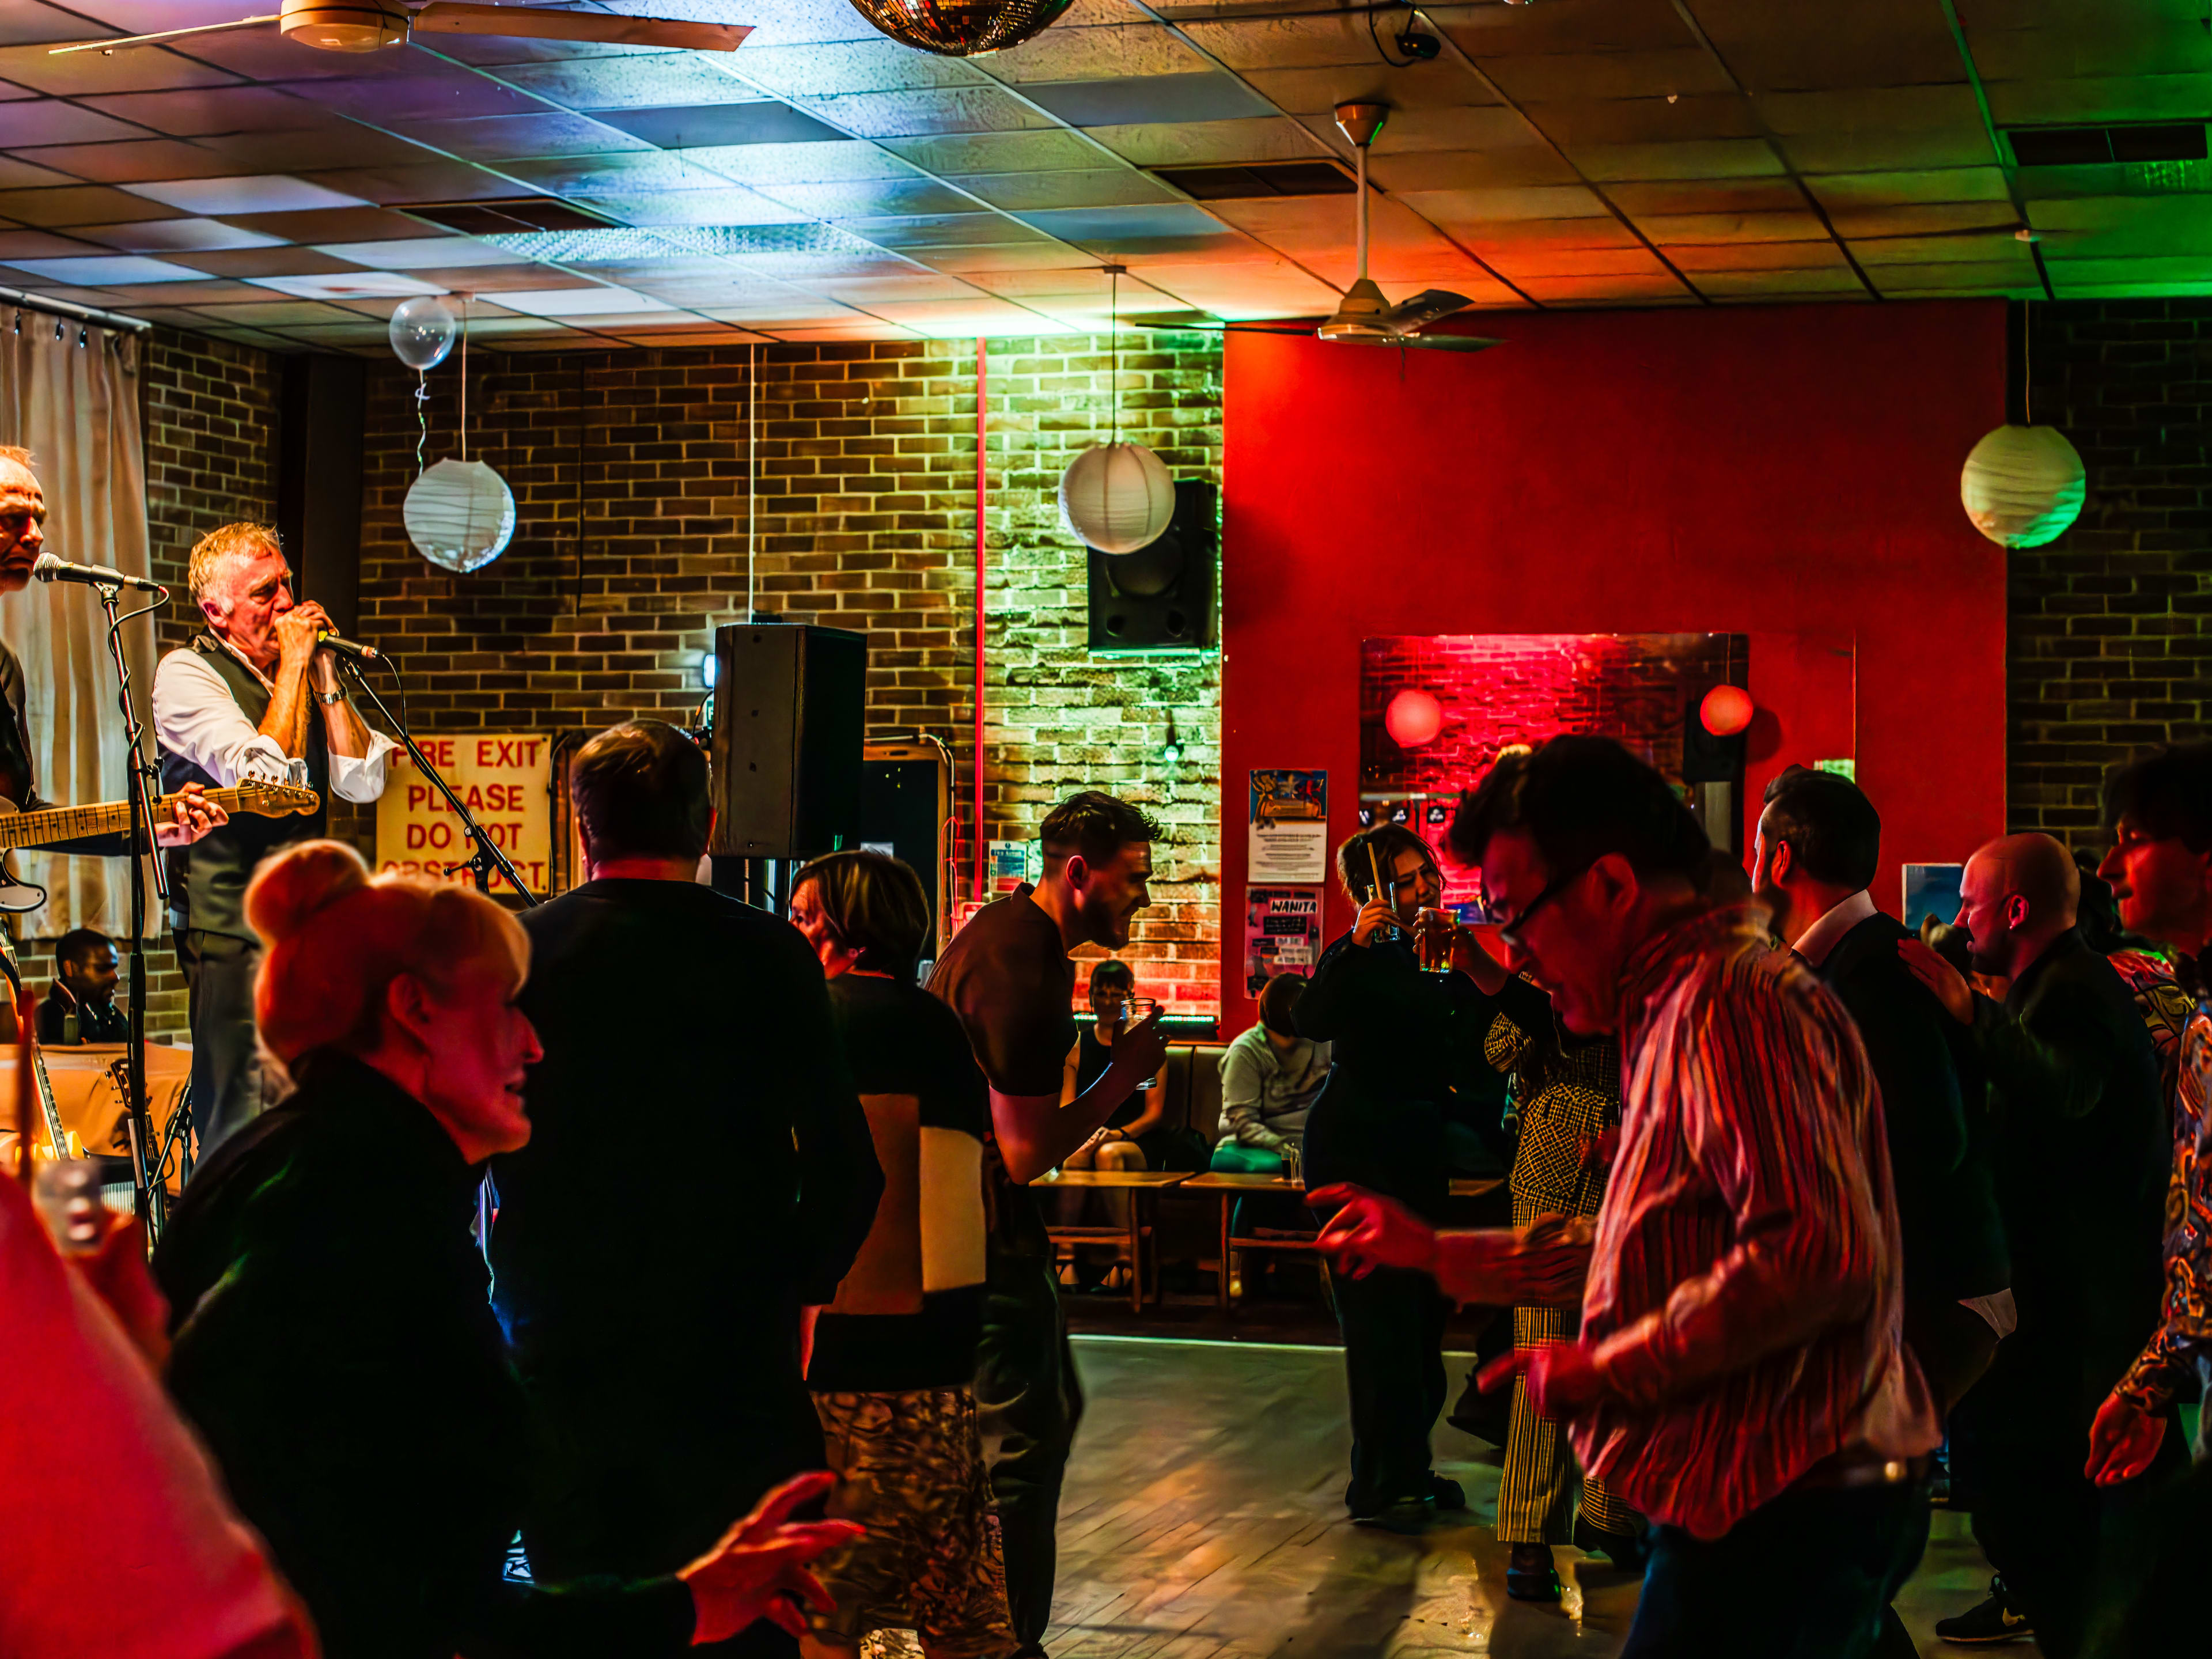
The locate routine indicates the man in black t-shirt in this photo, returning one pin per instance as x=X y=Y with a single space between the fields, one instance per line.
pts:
x=1007 y=976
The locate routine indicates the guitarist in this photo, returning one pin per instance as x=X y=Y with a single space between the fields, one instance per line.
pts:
x=22 y=534
x=253 y=696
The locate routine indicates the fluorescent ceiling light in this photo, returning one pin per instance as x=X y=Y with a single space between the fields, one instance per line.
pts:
x=267 y=192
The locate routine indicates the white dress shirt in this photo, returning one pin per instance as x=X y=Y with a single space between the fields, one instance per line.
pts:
x=1825 y=934
x=196 y=717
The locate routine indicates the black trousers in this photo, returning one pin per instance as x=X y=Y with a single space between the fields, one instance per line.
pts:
x=1806 y=1577
x=2018 y=1440
x=644 y=1460
x=1393 y=1370
x=1028 y=1402
x=227 y=1088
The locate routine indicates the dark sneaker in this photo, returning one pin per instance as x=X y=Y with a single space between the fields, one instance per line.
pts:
x=1529 y=1574
x=1399 y=1515
x=1446 y=1494
x=1993 y=1621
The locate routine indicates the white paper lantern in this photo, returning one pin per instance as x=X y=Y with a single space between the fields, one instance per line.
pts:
x=1117 y=497
x=2023 y=485
x=460 y=514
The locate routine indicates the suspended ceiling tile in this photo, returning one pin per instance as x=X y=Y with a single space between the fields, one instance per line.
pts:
x=49 y=121
x=998 y=256
x=699 y=126
x=1545 y=260
x=1685 y=70
x=348 y=285
x=1316 y=92
x=2130 y=225
x=1684 y=196
x=1273 y=139
x=508 y=138
x=1706 y=228
x=1623 y=286
x=1451 y=169
x=874 y=64
x=1718 y=158
x=1208 y=96
x=2175 y=97
x=176 y=236
x=1099 y=187
x=212 y=290
x=428 y=91
x=1276 y=288
x=87 y=74
x=855 y=332
x=1867 y=43
x=1741 y=287
x=32 y=22
x=269 y=192
x=425 y=181
x=1900 y=110
x=1923 y=218
x=2086 y=43
x=246 y=263
x=1061 y=53
x=361 y=224
x=21 y=175
x=1840 y=191
x=1477 y=127
x=1960 y=248
x=655 y=81
x=1081 y=281
x=337 y=143
x=870 y=197
x=1867 y=149
x=914 y=286
x=799 y=21
x=942 y=230
x=43 y=244
x=594 y=301
x=694 y=336
x=923 y=113
x=623 y=171
x=974 y=313
x=275 y=312
x=1578 y=124
x=1491 y=33
x=802 y=164
x=1995 y=276
x=2066 y=274
x=84 y=204
x=802 y=311
x=1051 y=151
x=1316 y=40
x=1158 y=227
x=200 y=112
x=1499 y=239
x=1697 y=258
x=481 y=280
x=729 y=206
x=418 y=253
x=1568 y=202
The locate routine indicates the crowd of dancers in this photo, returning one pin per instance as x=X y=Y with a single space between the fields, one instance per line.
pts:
x=757 y=1343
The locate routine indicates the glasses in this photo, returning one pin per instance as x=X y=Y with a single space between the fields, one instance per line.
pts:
x=1411 y=878
x=1511 y=932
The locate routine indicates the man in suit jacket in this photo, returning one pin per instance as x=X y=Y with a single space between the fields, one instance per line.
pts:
x=1819 y=843
x=2080 y=1149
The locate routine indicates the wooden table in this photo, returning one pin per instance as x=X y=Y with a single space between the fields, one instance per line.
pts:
x=1140 y=1185
x=1230 y=1187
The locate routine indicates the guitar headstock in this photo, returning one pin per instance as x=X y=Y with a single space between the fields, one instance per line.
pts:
x=272 y=800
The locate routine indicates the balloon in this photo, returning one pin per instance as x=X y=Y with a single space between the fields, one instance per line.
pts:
x=1413 y=719
x=1726 y=710
x=423 y=331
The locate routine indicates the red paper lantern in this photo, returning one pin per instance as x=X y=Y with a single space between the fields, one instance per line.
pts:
x=1726 y=710
x=1413 y=719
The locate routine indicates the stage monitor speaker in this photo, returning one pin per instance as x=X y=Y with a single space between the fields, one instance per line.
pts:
x=790 y=706
x=906 y=798
x=1160 y=597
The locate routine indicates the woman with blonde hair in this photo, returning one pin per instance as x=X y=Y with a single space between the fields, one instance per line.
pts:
x=335 y=1344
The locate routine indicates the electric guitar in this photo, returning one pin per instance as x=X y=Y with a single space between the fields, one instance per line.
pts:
x=55 y=1132
x=53 y=824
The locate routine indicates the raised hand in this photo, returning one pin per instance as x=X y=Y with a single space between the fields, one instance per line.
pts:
x=1141 y=1049
x=1371 y=1231
x=1377 y=913
x=759 y=1570
x=191 y=815
x=1949 y=984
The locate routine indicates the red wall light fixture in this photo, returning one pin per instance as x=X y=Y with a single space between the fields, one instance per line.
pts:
x=1726 y=710
x=1413 y=719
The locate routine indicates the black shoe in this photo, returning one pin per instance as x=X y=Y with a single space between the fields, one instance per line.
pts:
x=1627 y=1551
x=1529 y=1574
x=1993 y=1621
x=1446 y=1494
x=1397 y=1515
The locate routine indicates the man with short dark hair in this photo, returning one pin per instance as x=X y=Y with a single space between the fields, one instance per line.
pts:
x=695 y=1178
x=2080 y=1154
x=1740 y=1376
x=1818 y=845
x=1007 y=975
x=81 y=1006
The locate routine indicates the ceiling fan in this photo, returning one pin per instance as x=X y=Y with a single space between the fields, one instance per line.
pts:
x=1362 y=317
x=370 y=25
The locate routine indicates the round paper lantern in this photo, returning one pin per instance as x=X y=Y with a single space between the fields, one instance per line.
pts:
x=961 y=28
x=1117 y=497
x=1413 y=719
x=2023 y=485
x=460 y=514
x=1726 y=710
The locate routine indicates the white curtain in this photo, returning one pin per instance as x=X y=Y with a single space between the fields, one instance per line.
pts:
x=69 y=395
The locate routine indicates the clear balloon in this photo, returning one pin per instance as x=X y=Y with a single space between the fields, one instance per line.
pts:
x=423 y=331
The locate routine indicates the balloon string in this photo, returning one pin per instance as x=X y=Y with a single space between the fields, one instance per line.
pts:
x=422 y=416
x=1114 y=327
x=464 y=377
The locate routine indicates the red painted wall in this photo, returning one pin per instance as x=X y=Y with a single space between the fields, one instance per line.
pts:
x=1775 y=472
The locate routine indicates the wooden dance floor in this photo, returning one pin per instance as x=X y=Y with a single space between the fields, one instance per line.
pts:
x=1204 y=1519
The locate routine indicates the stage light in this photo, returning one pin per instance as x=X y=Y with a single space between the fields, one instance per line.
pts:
x=1117 y=497
x=2023 y=485
x=1726 y=710
x=1413 y=719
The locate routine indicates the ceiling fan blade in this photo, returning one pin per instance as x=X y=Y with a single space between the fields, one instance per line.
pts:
x=1421 y=342
x=598 y=28
x=149 y=39
x=1412 y=316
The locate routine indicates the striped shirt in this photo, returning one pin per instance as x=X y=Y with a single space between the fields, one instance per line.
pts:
x=2183 y=1340
x=1743 y=1299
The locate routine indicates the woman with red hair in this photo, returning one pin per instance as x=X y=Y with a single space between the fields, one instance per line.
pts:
x=336 y=1346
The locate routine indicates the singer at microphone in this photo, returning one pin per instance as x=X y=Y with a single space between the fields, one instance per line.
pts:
x=257 y=694
x=345 y=647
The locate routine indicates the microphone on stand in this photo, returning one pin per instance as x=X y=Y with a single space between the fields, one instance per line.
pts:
x=346 y=648
x=51 y=569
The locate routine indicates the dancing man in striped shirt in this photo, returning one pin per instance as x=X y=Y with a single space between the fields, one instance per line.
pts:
x=1740 y=1378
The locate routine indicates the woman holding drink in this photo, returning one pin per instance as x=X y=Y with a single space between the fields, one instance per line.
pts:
x=1379 y=1123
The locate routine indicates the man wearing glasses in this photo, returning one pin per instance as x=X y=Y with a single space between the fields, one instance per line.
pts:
x=1740 y=1377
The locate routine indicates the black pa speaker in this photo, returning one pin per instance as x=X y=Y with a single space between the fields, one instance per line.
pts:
x=324 y=402
x=1707 y=758
x=790 y=715
x=1160 y=597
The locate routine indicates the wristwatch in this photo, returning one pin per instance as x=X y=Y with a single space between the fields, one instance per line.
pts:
x=326 y=698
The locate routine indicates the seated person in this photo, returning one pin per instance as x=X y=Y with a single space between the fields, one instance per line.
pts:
x=893 y=1354
x=81 y=1005
x=1138 y=1136
x=1269 y=1077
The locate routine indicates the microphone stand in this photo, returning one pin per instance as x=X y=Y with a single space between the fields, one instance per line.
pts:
x=152 y=1193
x=486 y=856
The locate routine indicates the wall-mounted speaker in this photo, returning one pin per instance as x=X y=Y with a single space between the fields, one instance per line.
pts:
x=790 y=717
x=1160 y=597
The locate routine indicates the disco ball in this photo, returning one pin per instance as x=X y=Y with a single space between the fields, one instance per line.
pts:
x=961 y=28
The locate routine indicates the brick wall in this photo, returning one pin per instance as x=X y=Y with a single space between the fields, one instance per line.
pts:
x=629 y=474
x=2110 y=650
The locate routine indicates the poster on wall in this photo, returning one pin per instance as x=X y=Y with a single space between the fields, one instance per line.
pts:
x=1932 y=889
x=504 y=780
x=1282 y=933
x=1013 y=862
x=1289 y=826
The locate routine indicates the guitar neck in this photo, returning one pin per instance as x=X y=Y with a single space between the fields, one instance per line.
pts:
x=53 y=824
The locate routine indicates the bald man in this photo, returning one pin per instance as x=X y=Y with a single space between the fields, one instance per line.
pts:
x=2081 y=1149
